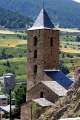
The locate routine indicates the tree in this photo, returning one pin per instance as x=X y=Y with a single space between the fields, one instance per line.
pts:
x=8 y=64
x=20 y=95
x=64 y=69
x=3 y=53
x=78 y=39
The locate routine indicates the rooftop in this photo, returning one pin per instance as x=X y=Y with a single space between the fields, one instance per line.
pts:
x=43 y=102
x=55 y=87
x=60 y=77
x=8 y=74
x=3 y=97
x=42 y=21
x=6 y=108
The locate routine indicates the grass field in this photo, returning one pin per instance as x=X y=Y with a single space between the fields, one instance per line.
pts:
x=69 y=30
x=15 y=65
x=6 y=31
x=70 y=51
x=9 y=32
x=18 y=59
x=12 y=39
x=12 y=43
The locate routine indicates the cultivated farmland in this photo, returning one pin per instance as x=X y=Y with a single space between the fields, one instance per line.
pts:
x=13 y=52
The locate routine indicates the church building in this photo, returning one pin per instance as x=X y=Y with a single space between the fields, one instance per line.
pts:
x=45 y=82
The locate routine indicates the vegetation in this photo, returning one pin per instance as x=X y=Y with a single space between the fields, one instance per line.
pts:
x=11 y=43
x=64 y=69
x=13 y=59
x=70 y=52
x=78 y=38
x=13 y=54
x=20 y=95
x=20 y=98
x=65 y=13
x=14 y=65
x=9 y=19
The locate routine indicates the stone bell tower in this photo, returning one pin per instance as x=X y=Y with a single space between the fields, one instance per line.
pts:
x=43 y=49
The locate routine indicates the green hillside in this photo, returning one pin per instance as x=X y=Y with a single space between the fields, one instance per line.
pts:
x=66 y=13
x=11 y=19
x=13 y=54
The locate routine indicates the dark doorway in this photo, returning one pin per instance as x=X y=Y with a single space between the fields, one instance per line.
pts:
x=41 y=94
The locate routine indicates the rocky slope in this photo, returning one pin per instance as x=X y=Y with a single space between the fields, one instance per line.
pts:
x=68 y=106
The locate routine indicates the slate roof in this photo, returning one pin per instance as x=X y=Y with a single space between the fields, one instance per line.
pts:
x=59 y=77
x=43 y=102
x=42 y=21
x=55 y=87
x=8 y=74
x=3 y=97
x=6 y=108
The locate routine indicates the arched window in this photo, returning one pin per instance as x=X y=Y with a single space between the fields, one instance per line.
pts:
x=35 y=41
x=35 y=54
x=41 y=94
x=35 y=70
x=51 y=41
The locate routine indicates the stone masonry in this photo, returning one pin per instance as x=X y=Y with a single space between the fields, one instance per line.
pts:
x=47 y=54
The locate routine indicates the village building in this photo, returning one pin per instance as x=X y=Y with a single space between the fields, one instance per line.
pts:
x=3 y=100
x=45 y=83
x=4 y=103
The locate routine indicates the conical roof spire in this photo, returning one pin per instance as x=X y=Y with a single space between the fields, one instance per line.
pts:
x=42 y=21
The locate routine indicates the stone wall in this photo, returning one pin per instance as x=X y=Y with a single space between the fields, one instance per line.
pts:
x=3 y=102
x=26 y=111
x=36 y=91
x=29 y=112
x=47 y=54
x=47 y=58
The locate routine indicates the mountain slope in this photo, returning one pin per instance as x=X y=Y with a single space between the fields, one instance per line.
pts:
x=63 y=12
x=11 y=19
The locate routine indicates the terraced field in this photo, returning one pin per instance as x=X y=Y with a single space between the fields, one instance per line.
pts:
x=11 y=42
x=6 y=31
x=69 y=30
x=13 y=54
x=70 y=51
